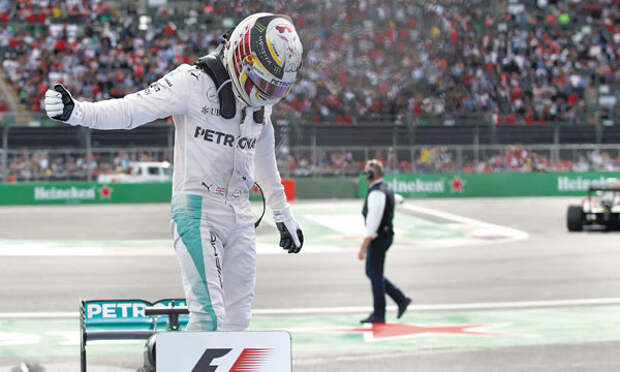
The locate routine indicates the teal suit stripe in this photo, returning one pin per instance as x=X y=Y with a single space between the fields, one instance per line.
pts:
x=186 y=213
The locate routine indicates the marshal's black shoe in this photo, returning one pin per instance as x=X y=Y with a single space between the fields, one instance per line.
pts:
x=373 y=319
x=403 y=307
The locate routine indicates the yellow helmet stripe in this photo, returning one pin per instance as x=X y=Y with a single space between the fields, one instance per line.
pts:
x=273 y=53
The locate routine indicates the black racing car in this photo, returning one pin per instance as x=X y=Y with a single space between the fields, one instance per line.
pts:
x=601 y=208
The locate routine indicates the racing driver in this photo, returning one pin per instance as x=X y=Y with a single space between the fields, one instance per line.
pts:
x=224 y=143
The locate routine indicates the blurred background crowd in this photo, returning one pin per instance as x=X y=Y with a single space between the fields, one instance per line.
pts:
x=398 y=62
x=535 y=61
x=43 y=165
x=443 y=159
x=65 y=165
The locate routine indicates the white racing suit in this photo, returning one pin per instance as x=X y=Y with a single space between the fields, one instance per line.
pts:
x=216 y=162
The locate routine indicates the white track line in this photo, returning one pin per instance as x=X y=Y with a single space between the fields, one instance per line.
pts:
x=358 y=309
x=445 y=215
x=517 y=234
x=443 y=307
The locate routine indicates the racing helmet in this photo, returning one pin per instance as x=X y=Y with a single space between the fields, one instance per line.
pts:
x=263 y=57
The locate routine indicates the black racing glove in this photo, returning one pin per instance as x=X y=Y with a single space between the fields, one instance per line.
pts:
x=58 y=103
x=287 y=227
x=286 y=239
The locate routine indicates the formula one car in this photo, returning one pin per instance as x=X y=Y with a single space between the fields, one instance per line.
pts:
x=130 y=320
x=600 y=209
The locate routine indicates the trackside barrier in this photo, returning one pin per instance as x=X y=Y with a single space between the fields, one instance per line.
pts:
x=99 y=193
x=410 y=185
x=325 y=188
x=507 y=184
x=84 y=193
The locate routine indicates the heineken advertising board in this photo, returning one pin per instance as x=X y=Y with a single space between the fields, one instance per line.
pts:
x=84 y=192
x=88 y=193
x=409 y=185
x=490 y=184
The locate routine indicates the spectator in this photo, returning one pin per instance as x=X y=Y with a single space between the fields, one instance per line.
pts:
x=365 y=61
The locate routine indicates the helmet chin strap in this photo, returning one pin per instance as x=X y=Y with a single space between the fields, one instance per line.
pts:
x=213 y=66
x=226 y=82
x=238 y=97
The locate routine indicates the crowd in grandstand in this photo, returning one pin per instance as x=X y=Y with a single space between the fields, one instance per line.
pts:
x=443 y=160
x=501 y=62
x=42 y=165
x=364 y=60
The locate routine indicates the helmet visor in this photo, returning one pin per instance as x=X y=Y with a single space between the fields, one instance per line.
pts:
x=270 y=89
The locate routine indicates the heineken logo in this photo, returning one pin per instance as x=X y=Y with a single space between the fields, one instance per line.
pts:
x=455 y=185
x=418 y=185
x=72 y=193
x=64 y=193
x=578 y=183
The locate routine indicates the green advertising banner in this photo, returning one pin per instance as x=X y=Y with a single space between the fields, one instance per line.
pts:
x=87 y=193
x=84 y=193
x=408 y=185
x=490 y=184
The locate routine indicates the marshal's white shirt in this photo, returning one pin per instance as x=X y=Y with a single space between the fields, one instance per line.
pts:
x=376 y=206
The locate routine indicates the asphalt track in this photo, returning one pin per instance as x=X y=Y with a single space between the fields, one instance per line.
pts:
x=550 y=265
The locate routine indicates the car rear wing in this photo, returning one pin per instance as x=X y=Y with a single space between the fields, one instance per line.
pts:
x=128 y=320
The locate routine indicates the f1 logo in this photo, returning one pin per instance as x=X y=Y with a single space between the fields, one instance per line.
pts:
x=250 y=359
x=204 y=364
x=256 y=351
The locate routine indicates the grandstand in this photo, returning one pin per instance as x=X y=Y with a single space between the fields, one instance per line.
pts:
x=428 y=73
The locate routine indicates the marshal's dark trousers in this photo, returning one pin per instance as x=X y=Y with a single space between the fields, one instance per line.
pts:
x=375 y=261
